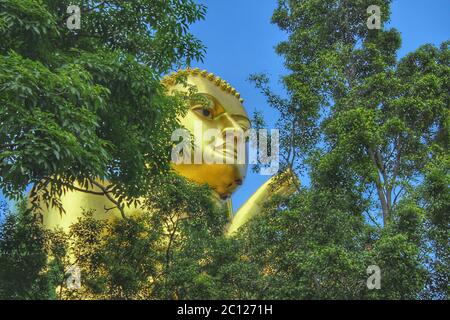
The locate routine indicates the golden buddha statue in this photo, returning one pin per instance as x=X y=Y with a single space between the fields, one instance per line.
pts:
x=221 y=108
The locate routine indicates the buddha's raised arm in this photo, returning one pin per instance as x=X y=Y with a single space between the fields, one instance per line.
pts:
x=287 y=184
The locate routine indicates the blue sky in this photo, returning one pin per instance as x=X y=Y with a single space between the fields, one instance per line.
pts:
x=240 y=40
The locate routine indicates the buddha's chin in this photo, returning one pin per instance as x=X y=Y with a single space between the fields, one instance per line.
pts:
x=222 y=178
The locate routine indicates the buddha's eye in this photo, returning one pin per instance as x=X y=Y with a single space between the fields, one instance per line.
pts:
x=204 y=111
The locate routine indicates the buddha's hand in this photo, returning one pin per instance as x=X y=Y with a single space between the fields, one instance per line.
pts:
x=284 y=183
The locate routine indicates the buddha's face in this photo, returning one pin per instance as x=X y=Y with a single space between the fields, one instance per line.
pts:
x=216 y=109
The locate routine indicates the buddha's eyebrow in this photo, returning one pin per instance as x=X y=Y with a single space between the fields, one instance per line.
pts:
x=204 y=96
x=237 y=115
x=240 y=115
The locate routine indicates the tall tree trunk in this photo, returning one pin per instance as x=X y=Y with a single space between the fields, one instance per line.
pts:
x=383 y=194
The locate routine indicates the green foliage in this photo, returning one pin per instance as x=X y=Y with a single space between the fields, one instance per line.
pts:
x=434 y=196
x=371 y=133
x=175 y=250
x=23 y=257
x=162 y=254
x=86 y=103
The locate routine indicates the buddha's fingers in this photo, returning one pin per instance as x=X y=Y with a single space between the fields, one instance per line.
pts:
x=285 y=183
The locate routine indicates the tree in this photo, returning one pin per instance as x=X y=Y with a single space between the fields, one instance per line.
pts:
x=369 y=130
x=165 y=253
x=23 y=257
x=84 y=104
x=176 y=249
x=366 y=128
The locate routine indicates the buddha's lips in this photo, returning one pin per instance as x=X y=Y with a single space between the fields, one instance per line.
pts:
x=230 y=188
x=236 y=182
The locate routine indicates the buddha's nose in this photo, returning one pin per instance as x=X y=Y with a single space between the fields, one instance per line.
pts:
x=228 y=123
x=232 y=130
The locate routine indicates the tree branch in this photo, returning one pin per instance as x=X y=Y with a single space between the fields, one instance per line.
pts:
x=110 y=198
x=379 y=187
x=396 y=196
